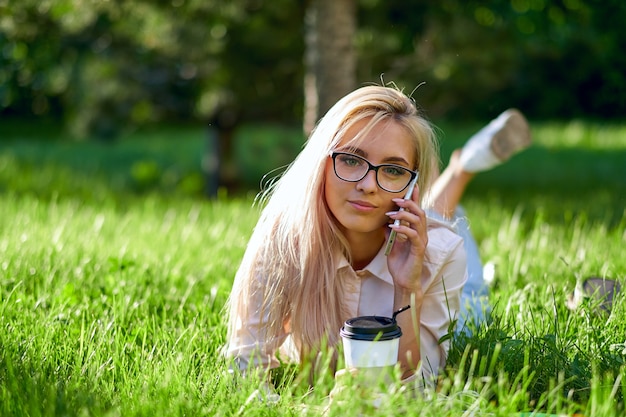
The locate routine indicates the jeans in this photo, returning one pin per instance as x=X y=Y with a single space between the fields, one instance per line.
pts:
x=474 y=298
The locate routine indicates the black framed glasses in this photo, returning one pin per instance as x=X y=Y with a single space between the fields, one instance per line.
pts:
x=353 y=168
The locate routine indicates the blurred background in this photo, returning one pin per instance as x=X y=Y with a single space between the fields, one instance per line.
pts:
x=98 y=70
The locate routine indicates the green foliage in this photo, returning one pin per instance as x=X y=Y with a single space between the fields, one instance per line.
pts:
x=107 y=66
x=552 y=59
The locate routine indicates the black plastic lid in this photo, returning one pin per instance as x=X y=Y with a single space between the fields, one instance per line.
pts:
x=371 y=328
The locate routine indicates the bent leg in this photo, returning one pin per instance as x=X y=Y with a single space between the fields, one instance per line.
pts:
x=493 y=145
x=446 y=192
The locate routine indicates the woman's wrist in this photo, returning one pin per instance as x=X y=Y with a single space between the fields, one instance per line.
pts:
x=405 y=296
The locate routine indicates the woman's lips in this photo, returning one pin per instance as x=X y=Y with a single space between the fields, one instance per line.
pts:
x=362 y=205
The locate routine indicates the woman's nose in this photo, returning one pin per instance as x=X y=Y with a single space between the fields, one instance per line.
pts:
x=368 y=184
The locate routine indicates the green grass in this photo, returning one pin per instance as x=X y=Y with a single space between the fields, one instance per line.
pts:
x=114 y=270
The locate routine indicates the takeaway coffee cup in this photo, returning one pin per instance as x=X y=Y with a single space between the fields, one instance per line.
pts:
x=370 y=341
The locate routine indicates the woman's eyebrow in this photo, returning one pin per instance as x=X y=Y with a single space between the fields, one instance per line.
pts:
x=396 y=160
x=354 y=150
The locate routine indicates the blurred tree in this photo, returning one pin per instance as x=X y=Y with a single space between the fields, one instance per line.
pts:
x=330 y=56
x=109 y=64
x=463 y=52
x=260 y=77
x=105 y=66
x=573 y=66
x=552 y=59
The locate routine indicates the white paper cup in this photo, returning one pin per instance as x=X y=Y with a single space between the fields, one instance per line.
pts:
x=370 y=341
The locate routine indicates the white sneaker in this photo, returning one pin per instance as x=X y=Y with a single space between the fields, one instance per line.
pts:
x=495 y=143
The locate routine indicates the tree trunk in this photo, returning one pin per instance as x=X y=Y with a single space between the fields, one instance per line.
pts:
x=330 y=59
x=219 y=163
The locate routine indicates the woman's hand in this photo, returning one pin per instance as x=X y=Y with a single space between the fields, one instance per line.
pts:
x=406 y=258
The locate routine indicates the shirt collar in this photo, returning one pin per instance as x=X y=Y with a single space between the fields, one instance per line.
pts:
x=377 y=267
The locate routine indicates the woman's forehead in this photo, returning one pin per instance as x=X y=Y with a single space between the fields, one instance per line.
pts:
x=387 y=139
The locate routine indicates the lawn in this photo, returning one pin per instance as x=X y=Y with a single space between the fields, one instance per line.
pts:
x=114 y=270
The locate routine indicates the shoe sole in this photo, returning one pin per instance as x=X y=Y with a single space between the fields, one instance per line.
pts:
x=512 y=137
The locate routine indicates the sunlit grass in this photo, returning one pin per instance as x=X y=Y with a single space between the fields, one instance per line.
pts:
x=112 y=294
x=102 y=305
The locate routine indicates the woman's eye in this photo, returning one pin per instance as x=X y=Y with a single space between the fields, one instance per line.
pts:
x=350 y=160
x=394 y=171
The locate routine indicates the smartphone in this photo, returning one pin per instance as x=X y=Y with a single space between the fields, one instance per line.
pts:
x=407 y=196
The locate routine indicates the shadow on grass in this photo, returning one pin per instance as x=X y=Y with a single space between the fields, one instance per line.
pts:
x=29 y=391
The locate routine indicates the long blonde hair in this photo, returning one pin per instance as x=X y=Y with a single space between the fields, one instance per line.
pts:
x=290 y=263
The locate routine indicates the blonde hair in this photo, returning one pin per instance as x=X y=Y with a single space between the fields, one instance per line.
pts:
x=290 y=263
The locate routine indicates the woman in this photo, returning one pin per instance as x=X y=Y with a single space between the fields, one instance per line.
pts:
x=316 y=256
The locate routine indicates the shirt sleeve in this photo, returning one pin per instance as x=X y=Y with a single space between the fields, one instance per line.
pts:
x=445 y=275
